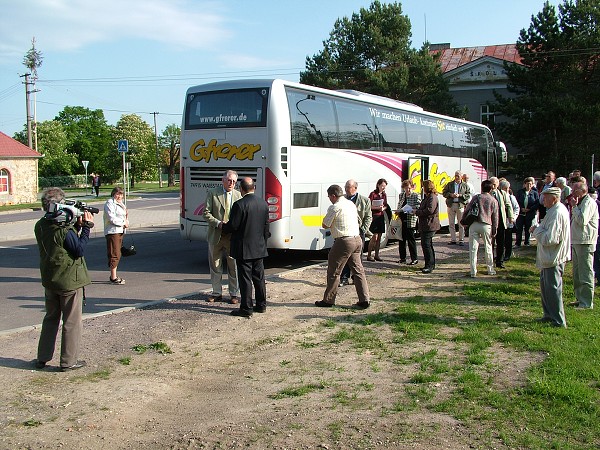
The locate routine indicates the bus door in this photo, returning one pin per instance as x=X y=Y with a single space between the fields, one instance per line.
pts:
x=306 y=216
x=417 y=171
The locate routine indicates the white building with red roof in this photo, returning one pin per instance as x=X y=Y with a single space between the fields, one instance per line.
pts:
x=18 y=172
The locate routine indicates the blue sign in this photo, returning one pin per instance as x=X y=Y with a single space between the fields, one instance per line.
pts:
x=123 y=146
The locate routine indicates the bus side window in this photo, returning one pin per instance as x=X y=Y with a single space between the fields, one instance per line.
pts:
x=312 y=120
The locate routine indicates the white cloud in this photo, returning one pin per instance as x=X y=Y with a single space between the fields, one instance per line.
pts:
x=70 y=25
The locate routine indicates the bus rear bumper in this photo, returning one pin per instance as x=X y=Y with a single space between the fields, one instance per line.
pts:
x=193 y=230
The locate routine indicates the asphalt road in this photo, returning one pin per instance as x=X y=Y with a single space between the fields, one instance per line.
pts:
x=165 y=266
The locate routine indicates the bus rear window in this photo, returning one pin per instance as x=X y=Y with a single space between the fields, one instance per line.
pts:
x=227 y=109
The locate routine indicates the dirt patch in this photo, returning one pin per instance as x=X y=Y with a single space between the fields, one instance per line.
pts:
x=278 y=380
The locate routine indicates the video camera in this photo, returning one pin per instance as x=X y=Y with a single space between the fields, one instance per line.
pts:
x=67 y=212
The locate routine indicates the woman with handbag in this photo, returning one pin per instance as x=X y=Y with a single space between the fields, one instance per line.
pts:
x=379 y=206
x=409 y=202
x=115 y=222
x=483 y=227
x=429 y=222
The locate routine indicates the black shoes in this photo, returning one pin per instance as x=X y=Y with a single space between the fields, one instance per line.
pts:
x=413 y=262
x=500 y=266
x=322 y=304
x=259 y=309
x=344 y=282
x=427 y=270
x=77 y=365
x=241 y=313
x=39 y=365
x=362 y=305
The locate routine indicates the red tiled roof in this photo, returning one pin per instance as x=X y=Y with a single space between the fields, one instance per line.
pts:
x=10 y=148
x=451 y=58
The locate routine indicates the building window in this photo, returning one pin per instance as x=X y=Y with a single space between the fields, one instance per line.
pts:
x=3 y=181
x=486 y=116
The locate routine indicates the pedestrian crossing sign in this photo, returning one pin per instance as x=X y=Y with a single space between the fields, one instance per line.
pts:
x=123 y=146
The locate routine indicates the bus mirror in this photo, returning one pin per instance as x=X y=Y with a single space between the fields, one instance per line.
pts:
x=501 y=151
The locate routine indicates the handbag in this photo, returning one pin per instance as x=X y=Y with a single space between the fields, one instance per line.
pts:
x=472 y=215
x=394 y=230
x=128 y=250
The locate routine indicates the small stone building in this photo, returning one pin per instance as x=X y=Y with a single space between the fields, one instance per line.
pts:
x=18 y=172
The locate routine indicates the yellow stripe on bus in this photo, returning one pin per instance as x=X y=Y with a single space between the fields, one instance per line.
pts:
x=312 y=221
x=317 y=221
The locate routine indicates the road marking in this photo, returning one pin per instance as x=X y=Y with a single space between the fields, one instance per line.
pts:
x=15 y=248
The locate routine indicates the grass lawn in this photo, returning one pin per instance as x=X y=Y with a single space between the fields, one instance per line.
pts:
x=557 y=403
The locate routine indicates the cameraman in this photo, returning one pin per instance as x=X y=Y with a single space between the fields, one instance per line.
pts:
x=62 y=238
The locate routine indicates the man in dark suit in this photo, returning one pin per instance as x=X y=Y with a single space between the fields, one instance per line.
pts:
x=249 y=228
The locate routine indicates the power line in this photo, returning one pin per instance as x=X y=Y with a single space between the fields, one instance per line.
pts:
x=176 y=77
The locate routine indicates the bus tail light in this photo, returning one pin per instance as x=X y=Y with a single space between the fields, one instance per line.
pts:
x=273 y=195
x=182 y=192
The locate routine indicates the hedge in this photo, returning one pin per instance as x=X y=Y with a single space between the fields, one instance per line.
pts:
x=63 y=181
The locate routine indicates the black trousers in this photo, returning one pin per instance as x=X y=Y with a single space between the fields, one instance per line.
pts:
x=408 y=236
x=523 y=224
x=428 y=250
x=251 y=272
x=500 y=238
x=508 y=242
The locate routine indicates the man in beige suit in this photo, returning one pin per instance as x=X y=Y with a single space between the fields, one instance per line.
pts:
x=218 y=206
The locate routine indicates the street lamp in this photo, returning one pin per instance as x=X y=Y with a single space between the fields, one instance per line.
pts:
x=85 y=165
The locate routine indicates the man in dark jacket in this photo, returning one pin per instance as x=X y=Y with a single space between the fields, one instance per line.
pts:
x=529 y=202
x=62 y=238
x=249 y=228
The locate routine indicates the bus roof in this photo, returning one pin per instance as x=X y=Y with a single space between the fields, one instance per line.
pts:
x=344 y=93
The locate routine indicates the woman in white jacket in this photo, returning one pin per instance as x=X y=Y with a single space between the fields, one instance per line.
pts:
x=115 y=222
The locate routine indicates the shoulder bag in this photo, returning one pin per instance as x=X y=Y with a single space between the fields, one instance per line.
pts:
x=472 y=215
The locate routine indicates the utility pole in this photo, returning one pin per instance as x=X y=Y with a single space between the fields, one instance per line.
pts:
x=157 y=153
x=27 y=102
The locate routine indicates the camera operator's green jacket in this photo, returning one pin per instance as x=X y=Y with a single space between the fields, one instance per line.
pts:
x=60 y=271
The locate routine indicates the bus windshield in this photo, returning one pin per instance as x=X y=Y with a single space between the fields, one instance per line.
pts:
x=227 y=109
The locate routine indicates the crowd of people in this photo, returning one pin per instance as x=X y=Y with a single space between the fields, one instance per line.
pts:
x=561 y=214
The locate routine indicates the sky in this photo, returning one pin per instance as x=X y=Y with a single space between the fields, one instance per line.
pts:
x=140 y=56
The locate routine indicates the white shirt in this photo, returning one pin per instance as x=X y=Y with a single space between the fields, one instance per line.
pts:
x=342 y=218
x=553 y=237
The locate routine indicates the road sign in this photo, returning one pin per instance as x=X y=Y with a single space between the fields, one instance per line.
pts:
x=85 y=164
x=123 y=146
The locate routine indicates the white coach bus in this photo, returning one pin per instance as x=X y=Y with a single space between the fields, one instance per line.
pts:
x=296 y=140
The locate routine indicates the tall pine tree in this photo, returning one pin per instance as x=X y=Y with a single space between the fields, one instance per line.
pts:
x=371 y=52
x=555 y=116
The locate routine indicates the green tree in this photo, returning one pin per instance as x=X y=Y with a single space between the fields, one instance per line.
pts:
x=91 y=138
x=142 y=147
x=169 y=146
x=555 y=114
x=52 y=143
x=371 y=52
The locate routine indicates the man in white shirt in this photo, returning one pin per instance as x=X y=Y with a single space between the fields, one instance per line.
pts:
x=553 y=236
x=342 y=220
